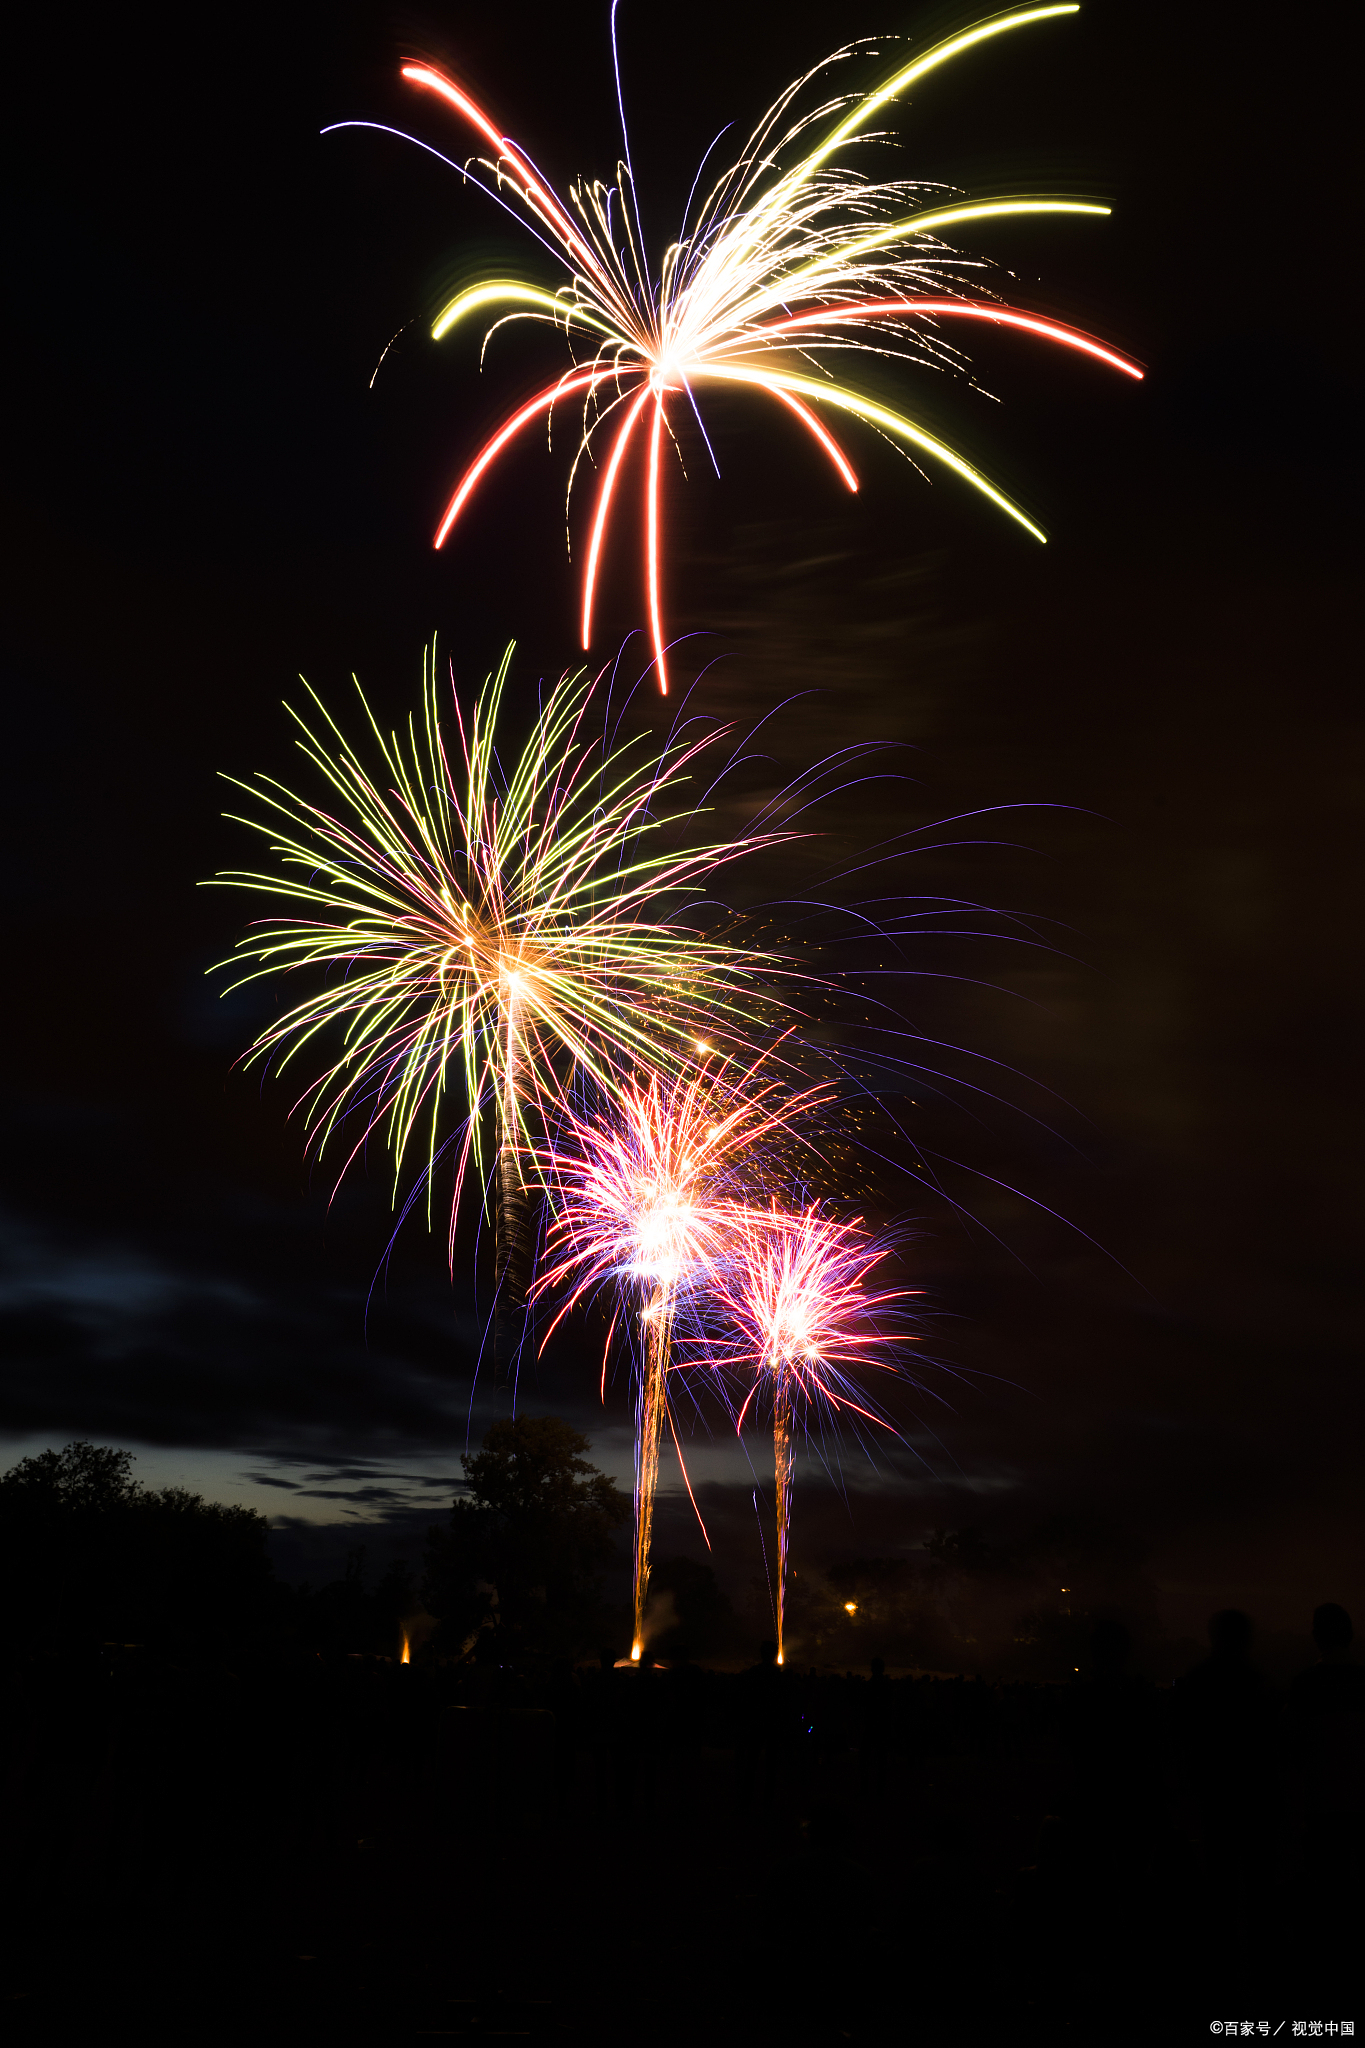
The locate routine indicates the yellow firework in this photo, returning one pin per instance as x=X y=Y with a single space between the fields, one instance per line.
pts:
x=495 y=934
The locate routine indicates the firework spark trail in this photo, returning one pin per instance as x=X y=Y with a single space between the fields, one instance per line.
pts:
x=774 y=264
x=648 y=1198
x=783 y=1459
x=515 y=931
x=792 y=1311
x=651 y=1411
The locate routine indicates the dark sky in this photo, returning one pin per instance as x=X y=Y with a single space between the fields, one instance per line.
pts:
x=205 y=497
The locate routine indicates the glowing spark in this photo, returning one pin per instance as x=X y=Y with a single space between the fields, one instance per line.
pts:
x=772 y=260
x=506 y=291
x=502 y=437
x=813 y=426
x=940 y=54
x=599 y=525
x=877 y=415
x=955 y=309
x=652 y=543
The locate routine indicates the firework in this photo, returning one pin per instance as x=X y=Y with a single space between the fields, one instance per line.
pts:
x=796 y=1312
x=648 y=1200
x=506 y=934
x=776 y=269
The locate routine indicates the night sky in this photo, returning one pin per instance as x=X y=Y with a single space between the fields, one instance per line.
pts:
x=205 y=497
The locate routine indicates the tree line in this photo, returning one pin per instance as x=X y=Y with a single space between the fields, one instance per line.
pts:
x=90 y=1556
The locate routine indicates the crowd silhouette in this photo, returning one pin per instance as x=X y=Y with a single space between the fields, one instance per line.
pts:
x=1214 y=1824
x=506 y=1831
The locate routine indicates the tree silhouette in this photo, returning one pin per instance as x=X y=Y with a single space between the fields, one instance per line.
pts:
x=87 y=1553
x=524 y=1549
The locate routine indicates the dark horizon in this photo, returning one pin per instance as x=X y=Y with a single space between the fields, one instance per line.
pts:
x=206 y=498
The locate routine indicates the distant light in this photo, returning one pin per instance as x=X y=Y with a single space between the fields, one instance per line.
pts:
x=850 y=1607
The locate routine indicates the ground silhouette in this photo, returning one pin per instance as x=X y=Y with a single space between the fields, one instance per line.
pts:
x=275 y=1833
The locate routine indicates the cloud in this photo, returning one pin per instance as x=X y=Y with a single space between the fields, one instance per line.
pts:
x=105 y=1285
x=158 y=1347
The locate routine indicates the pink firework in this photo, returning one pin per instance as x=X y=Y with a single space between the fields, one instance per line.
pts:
x=799 y=1313
x=650 y=1199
